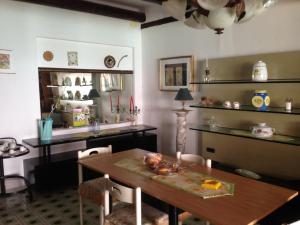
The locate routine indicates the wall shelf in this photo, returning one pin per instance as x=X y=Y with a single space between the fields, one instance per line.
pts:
x=248 y=108
x=276 y=138
x=270 y=81
x=57 y=86
x=74 y=100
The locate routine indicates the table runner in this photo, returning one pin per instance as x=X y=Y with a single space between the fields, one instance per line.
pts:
x=186 y=180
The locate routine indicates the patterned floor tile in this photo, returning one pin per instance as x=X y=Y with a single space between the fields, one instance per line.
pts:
x=48 y=208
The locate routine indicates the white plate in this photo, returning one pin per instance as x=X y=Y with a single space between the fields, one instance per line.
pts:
x=248 y=173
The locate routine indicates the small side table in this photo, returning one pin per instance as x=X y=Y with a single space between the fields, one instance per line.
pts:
x=3 y=177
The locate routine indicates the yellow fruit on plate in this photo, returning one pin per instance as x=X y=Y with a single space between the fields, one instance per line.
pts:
x=211 y=184
x=257 y=101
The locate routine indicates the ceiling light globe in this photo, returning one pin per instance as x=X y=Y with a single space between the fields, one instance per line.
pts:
x=220 y=18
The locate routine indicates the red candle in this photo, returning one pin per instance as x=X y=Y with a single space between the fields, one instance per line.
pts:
x=131 y=104
x=111 y=107
x=118 y=105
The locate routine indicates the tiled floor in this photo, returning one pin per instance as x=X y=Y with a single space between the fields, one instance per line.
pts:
x=57 y=208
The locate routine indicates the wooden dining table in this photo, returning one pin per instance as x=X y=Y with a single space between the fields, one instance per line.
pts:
x=252 y=200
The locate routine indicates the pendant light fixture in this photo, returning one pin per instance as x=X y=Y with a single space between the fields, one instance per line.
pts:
x=215 y=14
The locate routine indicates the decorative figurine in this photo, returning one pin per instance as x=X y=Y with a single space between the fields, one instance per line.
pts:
x=77 y=81
x=70 y=95
x=77 y=95
x=83 y=81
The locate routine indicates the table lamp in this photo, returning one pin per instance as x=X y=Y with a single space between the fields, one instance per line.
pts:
x=93 y=94
x=183 y=95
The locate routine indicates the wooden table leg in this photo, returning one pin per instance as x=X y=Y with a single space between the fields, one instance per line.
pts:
x=173 y=215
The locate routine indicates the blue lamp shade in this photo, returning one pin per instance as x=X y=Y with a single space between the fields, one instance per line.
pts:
x=183 y=95
x=94 y=94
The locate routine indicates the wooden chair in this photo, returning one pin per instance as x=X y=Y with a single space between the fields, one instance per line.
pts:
x=185 y=217
x=131 y=210
x=93 y=189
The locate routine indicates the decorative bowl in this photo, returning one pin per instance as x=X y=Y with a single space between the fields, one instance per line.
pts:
x=262 y=130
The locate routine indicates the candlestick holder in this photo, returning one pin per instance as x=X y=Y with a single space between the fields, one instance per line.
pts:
x=134 y=115
x=207 y=73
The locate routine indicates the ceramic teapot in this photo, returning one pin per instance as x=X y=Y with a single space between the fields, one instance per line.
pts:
x=262 y=130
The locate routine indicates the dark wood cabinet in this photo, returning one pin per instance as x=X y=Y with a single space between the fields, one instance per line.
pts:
x=62 y=171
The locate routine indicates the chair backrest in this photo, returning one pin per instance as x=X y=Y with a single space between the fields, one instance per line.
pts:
x=124 y=194
x=193 y=158
x=95 y=152
x=101 y=151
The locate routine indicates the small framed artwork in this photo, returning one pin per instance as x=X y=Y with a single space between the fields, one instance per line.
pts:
x=6 y=61
x=72 y=58
x=111 y=82
x=176 y=73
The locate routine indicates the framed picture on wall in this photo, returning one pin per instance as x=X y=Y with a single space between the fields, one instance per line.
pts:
x=6 y=61
x=111 y=82
x=176 y=73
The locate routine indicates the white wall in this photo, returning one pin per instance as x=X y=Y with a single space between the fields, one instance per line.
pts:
x=274 y=31
x=21 y=24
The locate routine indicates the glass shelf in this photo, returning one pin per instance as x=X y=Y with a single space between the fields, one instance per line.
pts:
x=57 y=86
x=295 y=111
x=270 y=81
x=74 y=100
x=276 y=138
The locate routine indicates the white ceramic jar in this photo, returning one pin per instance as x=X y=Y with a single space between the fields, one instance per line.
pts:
x=260 y=71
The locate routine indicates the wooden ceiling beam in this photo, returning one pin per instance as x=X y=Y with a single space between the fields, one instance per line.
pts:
x=155 y=1
x=93 y=8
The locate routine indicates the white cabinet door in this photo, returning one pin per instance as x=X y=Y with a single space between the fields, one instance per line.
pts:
x=81 y=55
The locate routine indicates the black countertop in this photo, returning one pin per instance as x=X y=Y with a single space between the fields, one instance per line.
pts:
x=68 y=138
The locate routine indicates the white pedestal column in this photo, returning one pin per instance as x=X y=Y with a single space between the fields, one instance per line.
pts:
x=181 y=129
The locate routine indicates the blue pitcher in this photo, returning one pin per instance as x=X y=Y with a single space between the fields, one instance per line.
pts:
x=45 y=126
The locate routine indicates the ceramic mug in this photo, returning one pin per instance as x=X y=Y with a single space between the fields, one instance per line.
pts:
x=236 y=105
x=227 y=104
